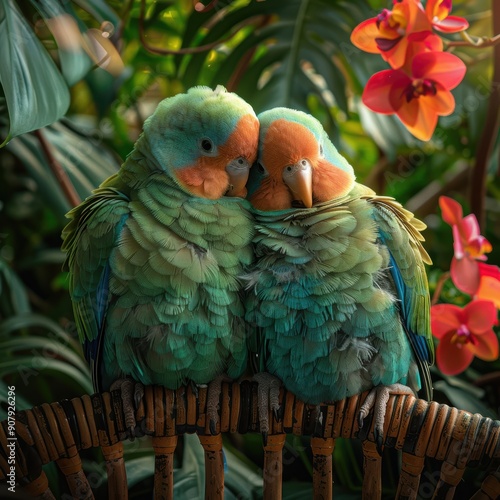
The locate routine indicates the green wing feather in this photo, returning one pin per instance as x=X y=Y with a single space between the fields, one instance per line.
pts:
x=400 y=231
x=89 y=238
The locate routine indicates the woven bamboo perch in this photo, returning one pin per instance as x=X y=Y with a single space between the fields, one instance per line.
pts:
x=58 y=431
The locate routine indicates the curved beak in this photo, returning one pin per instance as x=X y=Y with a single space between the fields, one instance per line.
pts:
x=298 y=178
x=237 y=170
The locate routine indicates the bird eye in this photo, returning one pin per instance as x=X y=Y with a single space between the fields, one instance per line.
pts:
x=207 y=145
x=289 y=168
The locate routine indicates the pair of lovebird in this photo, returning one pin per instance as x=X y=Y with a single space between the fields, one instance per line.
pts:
x=175 y=278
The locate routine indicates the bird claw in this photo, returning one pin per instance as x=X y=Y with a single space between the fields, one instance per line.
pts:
x=212 y=424
x=377 y=400
x=131 y=394
x=277 y=412
x=138 y=394
x=268 y=391
x=213 y=399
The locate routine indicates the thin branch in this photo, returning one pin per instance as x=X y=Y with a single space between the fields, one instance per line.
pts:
x=439 y=287
x=185 y=50
x=490 y=130
x=199 y=7
x=474 y=43
x=124 y=18
x=60 y=174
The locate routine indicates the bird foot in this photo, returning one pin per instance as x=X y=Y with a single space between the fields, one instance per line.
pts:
x=377 y=399
x=268 y=393
x=131 y=394
x=213 y=400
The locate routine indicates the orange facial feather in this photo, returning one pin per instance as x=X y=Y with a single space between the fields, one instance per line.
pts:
x=286 y=143
x=207 y=178
x=330 y=182
x=272 y=194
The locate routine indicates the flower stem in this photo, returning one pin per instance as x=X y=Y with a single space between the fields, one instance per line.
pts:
x=59 y=173
x=490 y=130
x=439 y=287
x=474 y=43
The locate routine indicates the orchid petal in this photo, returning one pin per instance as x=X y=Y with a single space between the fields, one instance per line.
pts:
x=437 y=9
x=478 y=246
x=379 y=89
x=489 y=289
x=445 y=318
x=364 y=34
x=451 y=24
x=441 y=67
x=417 y=18
x=443 y=102
x=396 y=56
x=423 y=41
x=458 y=247
x=465 y=274
x=451 y=210
x=452 y=358
x=489 y=270
x=419 y=119
x=426 y=40
x=470 y=227
x=486 y=347
x=480 y=316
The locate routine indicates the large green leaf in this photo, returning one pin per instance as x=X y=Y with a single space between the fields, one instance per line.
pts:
x=37 y=351
x=14 y=299
x=464 y=396
x=34 y=89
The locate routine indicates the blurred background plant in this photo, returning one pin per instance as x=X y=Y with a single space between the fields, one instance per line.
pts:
x=79 y=78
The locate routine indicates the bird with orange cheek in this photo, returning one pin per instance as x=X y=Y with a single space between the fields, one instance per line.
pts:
x=155 y=253
x=338 y=293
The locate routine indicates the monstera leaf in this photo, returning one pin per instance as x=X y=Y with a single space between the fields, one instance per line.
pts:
x=34 y=89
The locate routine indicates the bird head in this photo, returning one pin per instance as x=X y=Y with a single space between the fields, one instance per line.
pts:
x=297 y=164
x=205 y=139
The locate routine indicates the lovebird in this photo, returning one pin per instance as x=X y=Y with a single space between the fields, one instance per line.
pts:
x=338 y=293
x=154 y=254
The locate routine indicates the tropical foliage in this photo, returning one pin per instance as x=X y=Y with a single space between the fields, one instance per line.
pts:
x=79 y=77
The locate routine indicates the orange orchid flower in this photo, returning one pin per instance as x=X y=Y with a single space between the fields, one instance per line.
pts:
x=417 y=98
x=463 y=334
x=438 y=11
x=469 y=246
x=392 y=32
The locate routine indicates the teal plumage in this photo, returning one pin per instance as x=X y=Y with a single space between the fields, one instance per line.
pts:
x=338 y=292
x=155 y=253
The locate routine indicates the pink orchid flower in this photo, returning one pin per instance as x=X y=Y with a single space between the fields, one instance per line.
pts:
x=420 y=96
x=469 y=246
x=463 y=334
